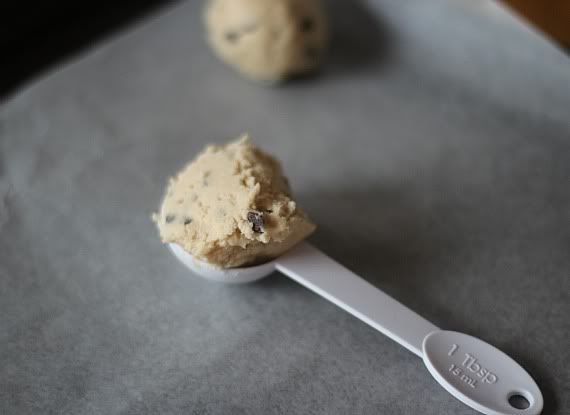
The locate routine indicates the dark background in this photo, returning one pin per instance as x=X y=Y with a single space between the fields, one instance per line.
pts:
x=34 y=36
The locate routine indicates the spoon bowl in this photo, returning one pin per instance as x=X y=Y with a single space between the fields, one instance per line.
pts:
x=228 y=275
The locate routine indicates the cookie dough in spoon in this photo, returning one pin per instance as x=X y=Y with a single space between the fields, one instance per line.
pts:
x=232 y=206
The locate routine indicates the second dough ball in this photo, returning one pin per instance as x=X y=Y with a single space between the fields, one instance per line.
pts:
x=268 y=40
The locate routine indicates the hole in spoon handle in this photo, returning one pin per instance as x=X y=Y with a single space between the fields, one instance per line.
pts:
x=313 y=269
x=480 y=375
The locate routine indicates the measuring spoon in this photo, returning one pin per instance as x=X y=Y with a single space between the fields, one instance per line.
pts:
x=472 y=370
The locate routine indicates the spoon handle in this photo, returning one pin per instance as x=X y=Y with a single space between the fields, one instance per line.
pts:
x=316 y=271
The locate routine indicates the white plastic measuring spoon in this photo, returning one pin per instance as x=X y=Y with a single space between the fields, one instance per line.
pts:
x=473 y=371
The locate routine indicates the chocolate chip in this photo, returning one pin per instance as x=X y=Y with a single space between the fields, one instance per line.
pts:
x=169 y=218
x=232 y=37
x=256 y=220
x=307 y=24
x=187 y=221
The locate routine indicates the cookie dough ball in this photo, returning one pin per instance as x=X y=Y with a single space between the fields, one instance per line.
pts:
x=268 y=40
x=232 y=207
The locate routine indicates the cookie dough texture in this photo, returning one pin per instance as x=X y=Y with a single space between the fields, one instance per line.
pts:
x=232 y=207
x=268 y=40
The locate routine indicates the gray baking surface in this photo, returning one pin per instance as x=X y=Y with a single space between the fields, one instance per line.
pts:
x=433 y=152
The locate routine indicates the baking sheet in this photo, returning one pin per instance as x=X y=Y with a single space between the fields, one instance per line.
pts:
x=433 y=151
